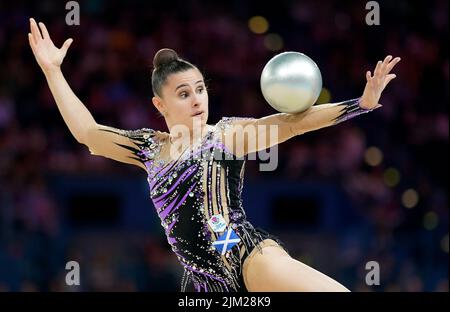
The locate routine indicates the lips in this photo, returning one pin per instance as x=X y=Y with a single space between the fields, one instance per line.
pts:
x=197 y=114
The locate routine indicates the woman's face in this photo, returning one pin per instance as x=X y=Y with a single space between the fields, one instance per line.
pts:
x=184 y=99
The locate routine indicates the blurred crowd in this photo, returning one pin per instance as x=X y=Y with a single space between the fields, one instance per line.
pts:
x=391 y=163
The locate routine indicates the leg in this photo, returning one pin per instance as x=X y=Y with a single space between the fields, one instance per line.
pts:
x=275 y=270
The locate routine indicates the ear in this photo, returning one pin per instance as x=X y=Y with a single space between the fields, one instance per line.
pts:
x=158 y=103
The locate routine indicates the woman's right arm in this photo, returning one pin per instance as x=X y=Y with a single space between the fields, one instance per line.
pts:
x=120 y=145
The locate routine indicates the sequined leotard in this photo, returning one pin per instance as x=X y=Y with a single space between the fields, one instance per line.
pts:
x=205 y=181
x=186 y=193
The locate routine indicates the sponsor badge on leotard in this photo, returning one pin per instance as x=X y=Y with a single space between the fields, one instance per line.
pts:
x=217 y=223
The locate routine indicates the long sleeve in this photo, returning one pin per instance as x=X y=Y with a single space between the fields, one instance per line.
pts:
x=128 y=146
x=242 y=136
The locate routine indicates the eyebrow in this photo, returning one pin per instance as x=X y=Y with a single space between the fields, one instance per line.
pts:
x=185 y=85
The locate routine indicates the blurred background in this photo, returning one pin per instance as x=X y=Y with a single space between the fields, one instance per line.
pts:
x=371 y=189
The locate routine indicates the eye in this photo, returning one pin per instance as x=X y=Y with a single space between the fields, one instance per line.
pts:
x=201 y=89
x=183 y=94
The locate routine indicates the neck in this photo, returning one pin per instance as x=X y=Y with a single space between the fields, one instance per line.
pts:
x=183 y=133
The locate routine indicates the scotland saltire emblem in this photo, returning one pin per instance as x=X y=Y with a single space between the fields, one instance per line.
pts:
x=226 y=241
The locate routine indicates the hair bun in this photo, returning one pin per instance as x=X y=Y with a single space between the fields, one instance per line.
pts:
x=164 y=56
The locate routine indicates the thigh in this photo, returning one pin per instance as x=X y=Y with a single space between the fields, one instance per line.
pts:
x=266 y=251
x=275 y=270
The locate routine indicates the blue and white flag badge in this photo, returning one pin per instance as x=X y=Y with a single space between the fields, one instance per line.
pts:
x=217 y=223
x=226 y=241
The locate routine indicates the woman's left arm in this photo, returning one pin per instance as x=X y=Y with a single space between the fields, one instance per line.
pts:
x=277 y=128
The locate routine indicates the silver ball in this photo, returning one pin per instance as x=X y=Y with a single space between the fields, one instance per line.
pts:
x=291 y=82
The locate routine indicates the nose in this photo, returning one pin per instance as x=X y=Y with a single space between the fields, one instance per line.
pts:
x=196 y=101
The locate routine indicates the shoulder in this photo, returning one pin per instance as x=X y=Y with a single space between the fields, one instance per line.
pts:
x=150 y=142
x=145 y=134
x=226 y=123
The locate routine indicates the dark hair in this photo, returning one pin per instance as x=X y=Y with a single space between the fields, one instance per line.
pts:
x=165 y=63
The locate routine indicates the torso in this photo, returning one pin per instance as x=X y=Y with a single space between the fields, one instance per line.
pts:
x=187 y=191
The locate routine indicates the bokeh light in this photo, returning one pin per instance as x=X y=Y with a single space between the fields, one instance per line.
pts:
x=273 y=42
x=258 y=24
x=391 y=177
x=410 y=198
x=373 y=156
x=430 y=220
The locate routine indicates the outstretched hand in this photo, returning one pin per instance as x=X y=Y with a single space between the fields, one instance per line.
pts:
x=47 y=55
x=376 y=83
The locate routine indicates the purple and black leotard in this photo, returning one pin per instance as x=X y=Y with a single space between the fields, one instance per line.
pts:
x=198 y=200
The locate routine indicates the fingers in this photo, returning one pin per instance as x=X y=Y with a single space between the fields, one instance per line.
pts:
x=389 y=78
x=384 y=68
x=384 y=64
x=392 y=64
x=376 y=72
x=66 y=45
x=368 y=77
x=381 y=65
x=32 y=43
x=35 y=31
x=31 y=39
x=44 y=31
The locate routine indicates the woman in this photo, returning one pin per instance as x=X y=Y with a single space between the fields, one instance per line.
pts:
x=195 y=171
